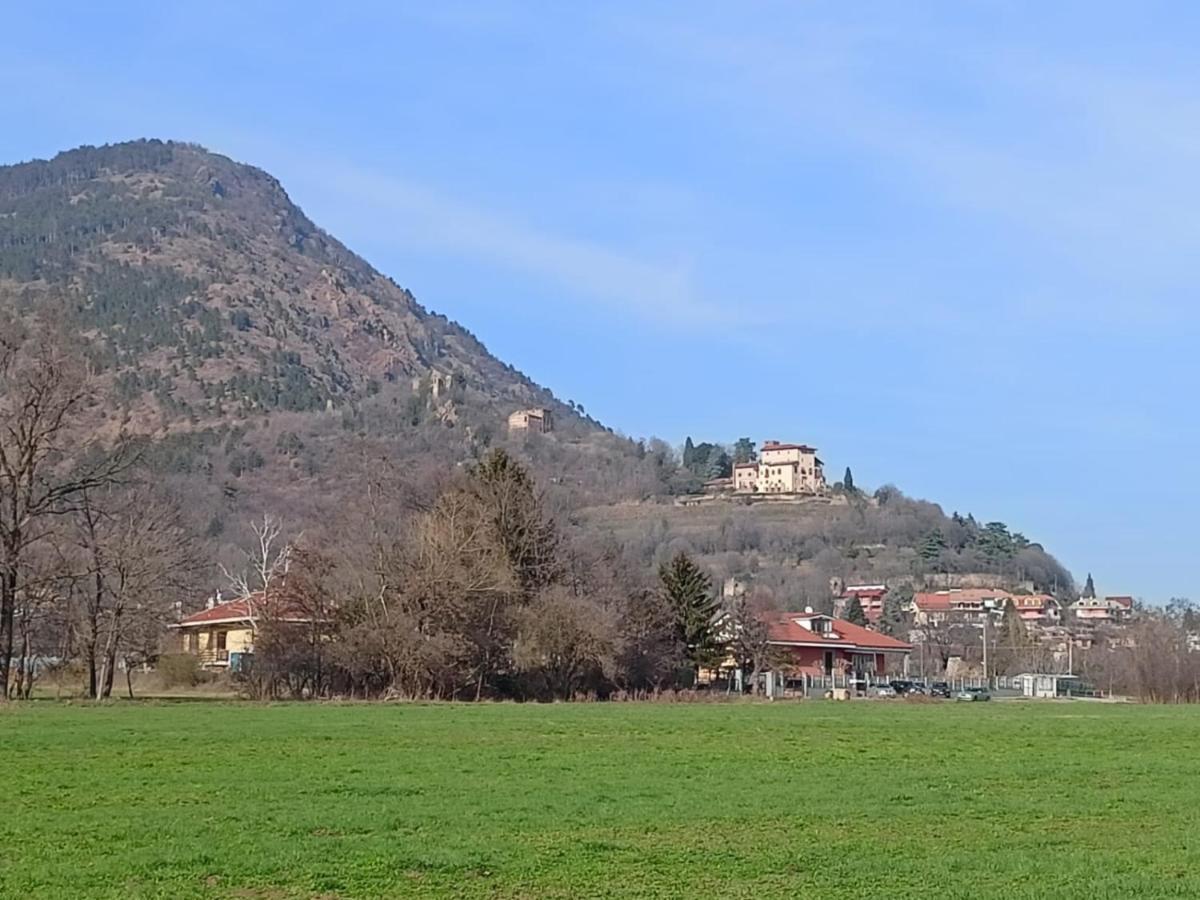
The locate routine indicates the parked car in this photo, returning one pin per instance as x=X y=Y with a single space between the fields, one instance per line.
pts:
x=885 y=690
x=904 y=687
x=973 y=694
x=940 y=689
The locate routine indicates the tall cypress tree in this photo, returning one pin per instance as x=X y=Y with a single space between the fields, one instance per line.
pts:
x=1089 y=590
x=848 y=481
x=687 y=590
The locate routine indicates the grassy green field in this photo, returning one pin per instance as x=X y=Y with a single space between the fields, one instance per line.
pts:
x=787 y=800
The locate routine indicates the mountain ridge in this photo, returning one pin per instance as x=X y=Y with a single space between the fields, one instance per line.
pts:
x=165 y=246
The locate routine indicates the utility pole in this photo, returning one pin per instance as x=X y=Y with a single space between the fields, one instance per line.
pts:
x=985 y=623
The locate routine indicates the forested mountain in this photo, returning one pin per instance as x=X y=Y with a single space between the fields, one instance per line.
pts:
x=261 y=366
x=206 y=292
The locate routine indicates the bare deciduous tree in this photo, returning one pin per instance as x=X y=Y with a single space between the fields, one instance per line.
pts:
x=46 y=459
x=562 y=638
x=141 y=557
x=266 y=564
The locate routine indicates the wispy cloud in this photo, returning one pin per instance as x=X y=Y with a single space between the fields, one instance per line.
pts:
x=1084 y=168
x=588 y=270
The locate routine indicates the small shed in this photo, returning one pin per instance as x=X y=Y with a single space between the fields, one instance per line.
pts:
x=1046 y=685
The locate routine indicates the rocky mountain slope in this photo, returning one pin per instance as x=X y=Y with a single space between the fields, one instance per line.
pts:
x=204 y=288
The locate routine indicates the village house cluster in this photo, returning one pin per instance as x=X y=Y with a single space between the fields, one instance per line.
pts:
x=975 y=604
x=1055 y=626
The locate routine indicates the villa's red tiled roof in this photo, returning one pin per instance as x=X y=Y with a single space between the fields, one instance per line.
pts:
x=783 y=628
x=244 y=609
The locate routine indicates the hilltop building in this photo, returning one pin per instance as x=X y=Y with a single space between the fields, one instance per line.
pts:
x=539 y=421
x=781 y=469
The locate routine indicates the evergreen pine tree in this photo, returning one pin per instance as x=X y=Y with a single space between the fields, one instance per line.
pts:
x=855 y=614
x=894 y=620
x=718 y=465
x=687 y=590
x=933 y=545
x=689 y=453
x=848 y=481
x=743 y=451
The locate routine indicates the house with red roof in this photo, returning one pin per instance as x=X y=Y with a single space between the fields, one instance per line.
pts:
x=222 y=630
x=816 y=644
x=1103 y=611
x=870 y=597
x=958 y=604
x=1039 y=609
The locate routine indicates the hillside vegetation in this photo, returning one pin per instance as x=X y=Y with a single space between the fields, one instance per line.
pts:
x=259 y=365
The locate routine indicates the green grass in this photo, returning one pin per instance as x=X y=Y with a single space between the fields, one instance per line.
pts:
x=786 y=800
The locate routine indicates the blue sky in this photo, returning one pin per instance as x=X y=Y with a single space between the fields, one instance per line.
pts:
x=951 y=244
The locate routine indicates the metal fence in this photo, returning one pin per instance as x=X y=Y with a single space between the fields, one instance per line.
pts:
x=818 y=685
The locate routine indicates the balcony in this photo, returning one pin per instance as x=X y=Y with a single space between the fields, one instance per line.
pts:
x=212 y=657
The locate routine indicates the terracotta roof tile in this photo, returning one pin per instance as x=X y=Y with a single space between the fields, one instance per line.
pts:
x=244 y=608
x=783 y=628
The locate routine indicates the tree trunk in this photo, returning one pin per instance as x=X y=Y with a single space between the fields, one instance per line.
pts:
x=94 y=635
x=90 y=656
x=111 y=644
x=129 y=679
x=8 y=600
x=24 y=674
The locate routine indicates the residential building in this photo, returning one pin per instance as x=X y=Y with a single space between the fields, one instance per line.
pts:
x=1039 y=609
x=223 y=631
x=817 y=644
x=870 y=598
x=958 y=604
x=540 y=421
x=1102 y=611
x=781 y=469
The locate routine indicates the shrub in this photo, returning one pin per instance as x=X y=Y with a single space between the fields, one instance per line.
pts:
x=179 y=670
